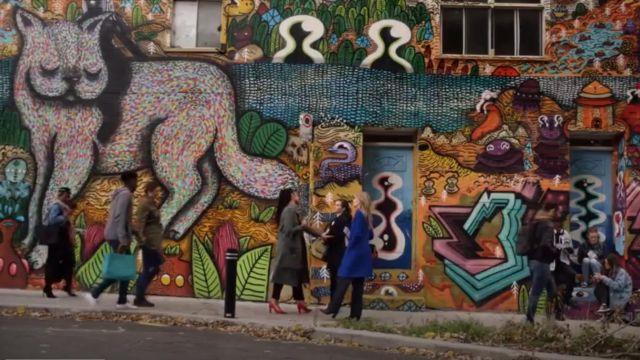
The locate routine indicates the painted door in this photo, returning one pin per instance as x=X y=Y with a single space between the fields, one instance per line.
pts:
x=591 y=193
x=388 y=178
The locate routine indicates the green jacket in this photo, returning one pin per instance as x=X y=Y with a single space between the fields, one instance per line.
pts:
x=149 y=226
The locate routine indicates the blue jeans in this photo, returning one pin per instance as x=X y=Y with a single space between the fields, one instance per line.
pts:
x=123 y=286
x=151 y=261
x=541 y=278
x=590 y=264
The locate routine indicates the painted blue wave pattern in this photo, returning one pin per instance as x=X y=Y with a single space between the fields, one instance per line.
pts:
x=379 y=98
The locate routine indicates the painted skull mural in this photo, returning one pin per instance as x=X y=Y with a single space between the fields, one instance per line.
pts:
x=297 y=110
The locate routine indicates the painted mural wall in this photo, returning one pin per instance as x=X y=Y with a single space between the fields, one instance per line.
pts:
x=224 y=136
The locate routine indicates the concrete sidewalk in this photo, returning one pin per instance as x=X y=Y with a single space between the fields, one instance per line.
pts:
x=257 y=314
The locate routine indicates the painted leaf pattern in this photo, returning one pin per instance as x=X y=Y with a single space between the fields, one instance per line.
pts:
x=90 y=272
x=253 y=274
x=249 y=124
x=267 y=214
x=269 y=140
x=206 y=282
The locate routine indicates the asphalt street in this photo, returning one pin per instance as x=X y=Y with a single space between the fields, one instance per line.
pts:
x=28 y=338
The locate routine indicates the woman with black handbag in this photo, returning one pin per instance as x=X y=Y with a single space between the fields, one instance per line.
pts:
x=60 y=259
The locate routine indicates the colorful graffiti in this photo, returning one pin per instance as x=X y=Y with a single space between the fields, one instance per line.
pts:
x=224 y=138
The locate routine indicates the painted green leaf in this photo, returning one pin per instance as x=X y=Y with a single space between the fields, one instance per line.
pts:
x=439 y=232
x=207 y=244
x=249 y=124
x=428 y=229
x=90 y=272
x=339 y=25
x=80 y=222
x=206 y=281
x=276 y=42
x=244 y=243
x=252 y=280
x=418 y=63
x=72 y=11
x=359 y=55
x=270 y=140
x=267 y=214
x=255 y=211
x=345 y=53
x=359 y=26
x=409 y=52
x=523 y=299
x=137 y=19
x=77 y=250
x=39 y=4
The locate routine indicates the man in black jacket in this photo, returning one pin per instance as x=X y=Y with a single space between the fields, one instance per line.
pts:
x=541 y=254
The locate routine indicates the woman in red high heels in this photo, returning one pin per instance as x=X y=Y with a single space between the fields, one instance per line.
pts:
x=291 y=252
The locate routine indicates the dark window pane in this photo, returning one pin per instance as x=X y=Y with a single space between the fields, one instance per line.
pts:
x=451 y=31
x=476 y=31
x=530 y=32
x=504 y=32
x=517 y=1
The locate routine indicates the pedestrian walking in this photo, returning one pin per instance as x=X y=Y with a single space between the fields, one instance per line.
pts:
x=541 y=254
x=291 y=266
x=150 y=232
x=357 y=263
x=60 y=259
x=118 y=234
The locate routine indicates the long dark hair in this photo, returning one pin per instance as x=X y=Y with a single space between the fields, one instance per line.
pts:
x=346 y=209
x=283 y=200
x=614 y=263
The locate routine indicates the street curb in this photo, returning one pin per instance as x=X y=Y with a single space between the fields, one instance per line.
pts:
x=377 y=340
x=357 y=337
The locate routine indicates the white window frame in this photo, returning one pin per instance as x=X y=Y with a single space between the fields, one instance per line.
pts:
x=193 y=49
x=492 y=5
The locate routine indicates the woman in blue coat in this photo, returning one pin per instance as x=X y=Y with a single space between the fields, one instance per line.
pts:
x=357 y=263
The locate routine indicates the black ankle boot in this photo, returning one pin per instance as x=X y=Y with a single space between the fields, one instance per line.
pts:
x=47 y=292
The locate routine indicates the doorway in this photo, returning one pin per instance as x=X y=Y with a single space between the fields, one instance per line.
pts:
x=592 y=192
x=388 y=177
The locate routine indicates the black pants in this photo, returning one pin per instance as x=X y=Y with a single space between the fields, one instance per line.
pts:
x=357 y=295
x=298 y=294
x=565 y=276
x=151 y=261
x=60 y=264
x=601 y=292
x=333 y=281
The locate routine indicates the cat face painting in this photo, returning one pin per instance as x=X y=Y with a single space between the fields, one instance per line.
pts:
x=66 y=65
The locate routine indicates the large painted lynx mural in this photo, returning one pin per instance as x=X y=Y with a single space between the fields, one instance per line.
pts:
x=83 y=100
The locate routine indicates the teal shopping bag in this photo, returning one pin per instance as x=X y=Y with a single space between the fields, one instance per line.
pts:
x=119 y=267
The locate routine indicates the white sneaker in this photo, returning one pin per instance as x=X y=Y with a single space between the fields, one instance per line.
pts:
x=126 y=306
x=90 y=299
x=603 y=309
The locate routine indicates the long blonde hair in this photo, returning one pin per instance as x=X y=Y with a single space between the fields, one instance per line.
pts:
x=365 y=205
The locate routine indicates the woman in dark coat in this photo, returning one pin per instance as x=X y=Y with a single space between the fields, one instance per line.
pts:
x=357 y=263
x=291 y=252
x=60 y=259
x=335 y=240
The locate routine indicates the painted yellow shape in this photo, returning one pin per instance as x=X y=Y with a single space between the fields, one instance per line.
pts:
x=233 y=9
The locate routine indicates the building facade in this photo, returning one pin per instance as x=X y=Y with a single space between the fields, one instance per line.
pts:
x=456 y=116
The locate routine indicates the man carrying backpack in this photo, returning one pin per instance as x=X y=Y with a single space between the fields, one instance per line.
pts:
x=541 y=254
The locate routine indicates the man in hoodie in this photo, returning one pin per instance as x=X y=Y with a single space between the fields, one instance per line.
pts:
x=118 y=233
